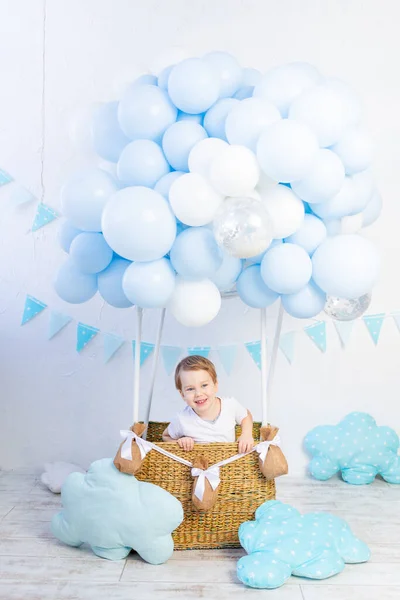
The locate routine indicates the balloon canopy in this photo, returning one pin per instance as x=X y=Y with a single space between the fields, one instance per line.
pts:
x=228 y=181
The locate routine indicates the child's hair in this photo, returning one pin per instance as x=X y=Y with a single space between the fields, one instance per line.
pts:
x=194 y=363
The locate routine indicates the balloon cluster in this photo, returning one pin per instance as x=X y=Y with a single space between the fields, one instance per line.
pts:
x=226 y=180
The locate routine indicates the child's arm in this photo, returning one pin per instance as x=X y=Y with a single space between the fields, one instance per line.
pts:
x=246 y=441
x=186 y=443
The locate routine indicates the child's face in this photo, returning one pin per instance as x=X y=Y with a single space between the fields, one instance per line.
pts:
x=198 y=390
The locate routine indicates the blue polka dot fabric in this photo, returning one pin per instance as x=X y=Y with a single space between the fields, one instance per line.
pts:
x=282 y=542
x=357 y=448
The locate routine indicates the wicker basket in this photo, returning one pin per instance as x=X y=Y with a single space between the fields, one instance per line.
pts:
x=242 y=489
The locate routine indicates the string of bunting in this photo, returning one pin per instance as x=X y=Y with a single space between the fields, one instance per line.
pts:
x=227 y=353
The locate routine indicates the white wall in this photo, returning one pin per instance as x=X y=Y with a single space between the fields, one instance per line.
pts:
x=56 y=404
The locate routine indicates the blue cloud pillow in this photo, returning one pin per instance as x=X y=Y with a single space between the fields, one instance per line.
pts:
x=357 y=447
x=282 y=542
x=115 y=513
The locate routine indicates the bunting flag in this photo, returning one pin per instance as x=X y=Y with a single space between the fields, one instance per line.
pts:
x=21 y=195
x=227 y=355
x=396 y=317
x=170 y=355
x=317 y=333
x=200 y=350
x=111 y=344
x=5 y=178
x=374 y=325
x=57 y=322
x=44 y=216
x=344 y=329
x=286 y=344
x=32 y=308
x=84 y=334
x=145 y=350
x=254 y=349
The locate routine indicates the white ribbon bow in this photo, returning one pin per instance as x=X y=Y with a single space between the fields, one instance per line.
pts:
x=263 y=447
x=212 y=474
x=126 y=450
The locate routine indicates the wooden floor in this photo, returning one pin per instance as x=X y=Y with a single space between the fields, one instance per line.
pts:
x=34 y=566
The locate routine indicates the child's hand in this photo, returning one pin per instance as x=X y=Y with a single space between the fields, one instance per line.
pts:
x=186 y=443
x=245 y=443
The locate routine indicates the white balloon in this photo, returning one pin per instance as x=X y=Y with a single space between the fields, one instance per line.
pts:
x=286 y=150
x=203 y=153
x=355 y=150
x=323 y=181
x=351 y=224
x=247 y=119
x=283 y=84
x=195 y=302
x=322 y=109
x=193 y=200
x=235 y=172
x=285 y=209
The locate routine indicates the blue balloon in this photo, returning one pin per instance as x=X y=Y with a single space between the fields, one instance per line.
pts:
x=149 y=284
x=286 y=269
x=229 y=71
x=145 y=112
x=142 y=162
x=107 y=136
x=74 y=286
x=163 y=185
x=110 y=283
x=244 y=92
x=252 y=289
x=66 y=233
x=310 y=235
x=215 y=117
x=178 y=141
x=195 y=253
x=163 y=77
x=146 y=79
x=306 y=303
x=182 y=116
x=193 y=85
x=84 y=197
x=227 y=274
x=372 y=211
x=250 y=77
x=90 y=252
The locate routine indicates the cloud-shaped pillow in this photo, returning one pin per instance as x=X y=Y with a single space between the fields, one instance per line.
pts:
x=282 y=542
x=115 y=513
x=357 y=447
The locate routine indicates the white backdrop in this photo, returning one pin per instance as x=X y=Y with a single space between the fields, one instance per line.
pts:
x=60 y=56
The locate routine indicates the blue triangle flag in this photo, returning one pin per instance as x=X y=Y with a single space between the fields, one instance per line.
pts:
x=286 y=344
x=112 y=343
x=344 y=329
x=145 y=350
x=200 y=350
x=170 y=355
x=254 y=349
x=374 y=325
x=227 y=355
x=317 y=333
x=85 y=333
x=4 y=178
x=44 y=216
x=32 y=308
x=57 y=322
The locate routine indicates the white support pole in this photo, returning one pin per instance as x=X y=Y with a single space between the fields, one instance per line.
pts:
x=136 y=380
x=155 y=365
x=274 y=354
x=264 y=366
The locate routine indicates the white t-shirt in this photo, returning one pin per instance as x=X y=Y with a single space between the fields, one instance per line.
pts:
x=188 y=423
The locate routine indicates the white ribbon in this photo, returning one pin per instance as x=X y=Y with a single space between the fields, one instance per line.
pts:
x=126 y=450
x=263 y=447
x=211 y=474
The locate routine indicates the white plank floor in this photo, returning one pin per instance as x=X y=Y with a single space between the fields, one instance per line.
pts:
x=34 y=566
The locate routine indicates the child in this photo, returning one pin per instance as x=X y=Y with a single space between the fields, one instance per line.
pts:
x=207 y=417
